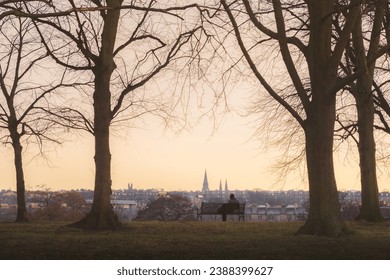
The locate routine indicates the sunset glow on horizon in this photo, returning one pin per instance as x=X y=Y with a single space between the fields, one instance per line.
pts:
x=154 y=158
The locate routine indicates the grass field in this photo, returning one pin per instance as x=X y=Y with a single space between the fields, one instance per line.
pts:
x=191 y=240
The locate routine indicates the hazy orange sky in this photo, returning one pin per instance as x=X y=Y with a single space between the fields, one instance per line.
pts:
x=154 y=158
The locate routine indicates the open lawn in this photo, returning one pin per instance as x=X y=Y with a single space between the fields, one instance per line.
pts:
x=191 y=240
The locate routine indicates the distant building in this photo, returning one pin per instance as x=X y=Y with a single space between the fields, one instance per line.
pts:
x=205 y=188
x=221 y=194
x=126 y=210
x=275 y=213
x=384 y=198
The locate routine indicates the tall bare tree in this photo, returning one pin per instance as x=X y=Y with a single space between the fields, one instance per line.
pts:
x=23 y=94
x=303 y=31
x=121 y=46
x=365 y=58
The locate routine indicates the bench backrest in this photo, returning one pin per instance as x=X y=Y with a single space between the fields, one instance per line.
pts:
x=210 y=207
x=215 y=208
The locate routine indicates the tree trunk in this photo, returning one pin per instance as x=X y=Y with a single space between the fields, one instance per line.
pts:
x=20 y=186
x=370 y=210
x=324 y=212
x=102 y=216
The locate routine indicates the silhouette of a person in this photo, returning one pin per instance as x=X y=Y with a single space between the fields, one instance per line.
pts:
x=229 y=207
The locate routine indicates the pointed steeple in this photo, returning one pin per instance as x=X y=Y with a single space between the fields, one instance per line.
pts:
x=220 y=185
x=226 y=185
x=205 y=188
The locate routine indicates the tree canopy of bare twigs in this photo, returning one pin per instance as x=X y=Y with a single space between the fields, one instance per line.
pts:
x=23 y=121
x=301 y=33
x=117 y=48
x=367 y=46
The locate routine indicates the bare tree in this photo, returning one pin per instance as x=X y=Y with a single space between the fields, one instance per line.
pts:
x=367 y=47
x=23 y=94
x=303 y=31
x=119 y=46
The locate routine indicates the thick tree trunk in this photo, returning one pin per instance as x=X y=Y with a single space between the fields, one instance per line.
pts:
x=370 y=210
x=20 y=186
x=324 y=212
x=102 y=216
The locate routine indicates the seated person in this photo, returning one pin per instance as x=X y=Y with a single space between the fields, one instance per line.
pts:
x=229 y=207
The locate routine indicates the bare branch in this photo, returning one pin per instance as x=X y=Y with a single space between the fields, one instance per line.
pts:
x=257 y=73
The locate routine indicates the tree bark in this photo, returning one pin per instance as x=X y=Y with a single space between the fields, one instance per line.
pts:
x=370 y=210
x=324 y=212
x=20 y=185
x=102 y=216
x=365 y=63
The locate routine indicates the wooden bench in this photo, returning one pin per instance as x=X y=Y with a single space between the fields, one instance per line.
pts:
x=215 y=208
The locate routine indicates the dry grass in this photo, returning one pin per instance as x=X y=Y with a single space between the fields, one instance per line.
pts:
x=191 y=240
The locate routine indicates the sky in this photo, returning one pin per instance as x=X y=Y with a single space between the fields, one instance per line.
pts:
x=153 y=157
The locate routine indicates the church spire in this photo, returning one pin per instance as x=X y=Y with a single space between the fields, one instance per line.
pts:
x=220 y=185
x=205 y=183
x=226 y=185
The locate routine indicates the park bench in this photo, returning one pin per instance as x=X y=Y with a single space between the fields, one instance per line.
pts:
x=216 y=208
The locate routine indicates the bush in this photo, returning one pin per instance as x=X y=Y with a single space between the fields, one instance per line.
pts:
x=167 y=208
x=69 y=206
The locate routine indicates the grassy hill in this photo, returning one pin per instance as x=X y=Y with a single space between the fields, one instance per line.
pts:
x=191 y=240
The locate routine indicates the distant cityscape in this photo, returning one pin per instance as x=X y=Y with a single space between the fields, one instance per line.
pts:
x=261 y=205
